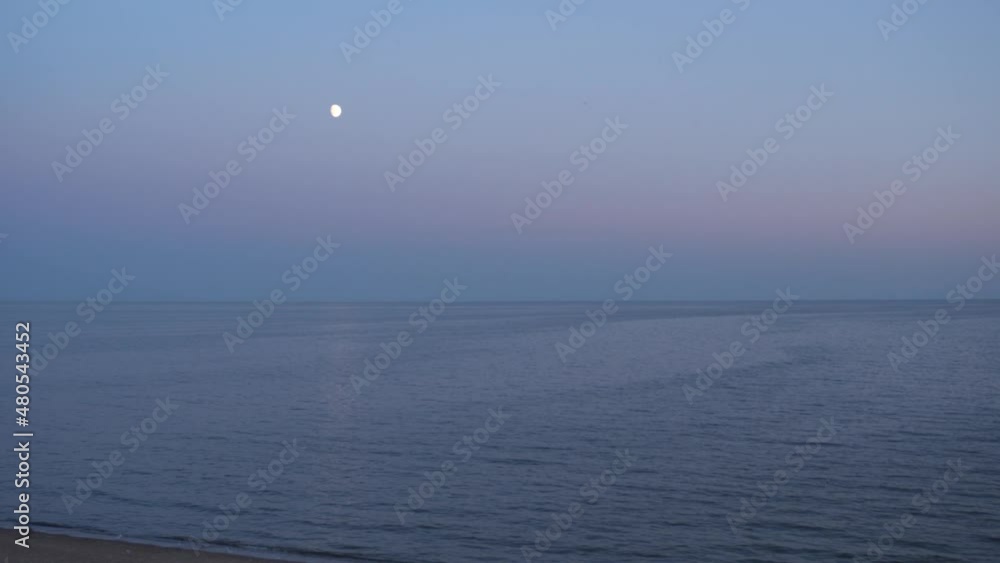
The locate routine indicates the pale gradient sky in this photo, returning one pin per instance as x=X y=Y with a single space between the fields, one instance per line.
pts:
x=655 y=185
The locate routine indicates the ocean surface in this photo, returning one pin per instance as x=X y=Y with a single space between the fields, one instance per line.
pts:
x=483 y=440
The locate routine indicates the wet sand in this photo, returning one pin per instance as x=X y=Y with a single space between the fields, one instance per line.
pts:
x=47 y=548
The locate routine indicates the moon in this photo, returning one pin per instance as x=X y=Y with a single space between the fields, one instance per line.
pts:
x=335 y=110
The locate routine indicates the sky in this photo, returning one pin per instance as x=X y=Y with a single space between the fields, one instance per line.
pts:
x=209 y=78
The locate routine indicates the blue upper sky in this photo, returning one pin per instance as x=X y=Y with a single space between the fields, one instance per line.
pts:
x=220 y=81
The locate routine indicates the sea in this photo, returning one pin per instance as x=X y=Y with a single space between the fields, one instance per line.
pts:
x=761 y=431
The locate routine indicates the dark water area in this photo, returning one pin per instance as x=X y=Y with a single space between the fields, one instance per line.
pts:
x=476 y=436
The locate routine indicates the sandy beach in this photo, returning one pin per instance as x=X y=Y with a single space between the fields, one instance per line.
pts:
x=47 y=548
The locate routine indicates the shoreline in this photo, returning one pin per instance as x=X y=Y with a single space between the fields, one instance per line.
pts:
x=55 y=548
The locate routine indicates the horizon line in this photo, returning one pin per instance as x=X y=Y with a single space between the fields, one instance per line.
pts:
x=491 y=302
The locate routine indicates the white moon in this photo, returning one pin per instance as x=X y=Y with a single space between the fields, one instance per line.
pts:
x=335 y=110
